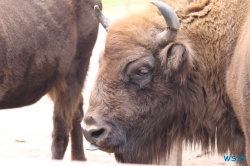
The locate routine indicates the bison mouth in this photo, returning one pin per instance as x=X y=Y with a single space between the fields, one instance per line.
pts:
x=92 y=147
x=108 y=149
x=100 y=139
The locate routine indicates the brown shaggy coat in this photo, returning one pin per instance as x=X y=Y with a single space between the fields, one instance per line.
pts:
x=195 y=89
x=45 y=47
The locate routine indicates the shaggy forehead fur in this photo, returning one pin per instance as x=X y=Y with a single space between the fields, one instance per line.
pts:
x=125 y=34
x=129 y=39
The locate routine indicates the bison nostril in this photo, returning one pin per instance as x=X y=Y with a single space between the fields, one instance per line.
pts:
x=97 y=134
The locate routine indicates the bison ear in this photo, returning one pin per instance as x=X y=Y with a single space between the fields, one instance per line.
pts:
x=176 y=60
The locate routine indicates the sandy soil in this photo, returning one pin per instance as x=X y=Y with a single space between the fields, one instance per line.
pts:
x=25 y=133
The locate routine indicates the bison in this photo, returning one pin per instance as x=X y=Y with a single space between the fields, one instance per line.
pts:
x=45 y=47
x=173 y=73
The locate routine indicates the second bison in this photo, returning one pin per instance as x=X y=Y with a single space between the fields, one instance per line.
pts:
x=45 y=47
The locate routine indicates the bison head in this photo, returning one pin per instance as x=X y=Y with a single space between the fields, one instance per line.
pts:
x=139 y=102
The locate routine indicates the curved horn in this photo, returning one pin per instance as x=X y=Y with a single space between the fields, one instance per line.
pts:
x=102 y=19
x=172 y=20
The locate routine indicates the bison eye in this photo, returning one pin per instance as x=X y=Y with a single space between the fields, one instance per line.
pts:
x=141 y=77
x=142 y=72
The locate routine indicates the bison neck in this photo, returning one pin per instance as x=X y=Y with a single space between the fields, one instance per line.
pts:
x=214 y=27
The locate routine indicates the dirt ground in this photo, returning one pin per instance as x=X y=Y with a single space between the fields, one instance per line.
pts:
x=25 y=133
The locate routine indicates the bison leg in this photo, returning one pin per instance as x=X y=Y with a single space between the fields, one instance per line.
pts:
x=65 y=106
x=66 y=119
x=68 y=112
x=60 y=137
x=77 y=152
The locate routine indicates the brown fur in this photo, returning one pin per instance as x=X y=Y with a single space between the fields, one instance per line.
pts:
x=45 y=47
x=238 y=82
x=184 y=94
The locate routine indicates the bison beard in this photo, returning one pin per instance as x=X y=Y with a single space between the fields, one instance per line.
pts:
x=152 y=92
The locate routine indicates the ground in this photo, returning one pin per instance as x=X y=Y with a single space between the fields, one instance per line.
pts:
x=25 y=133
